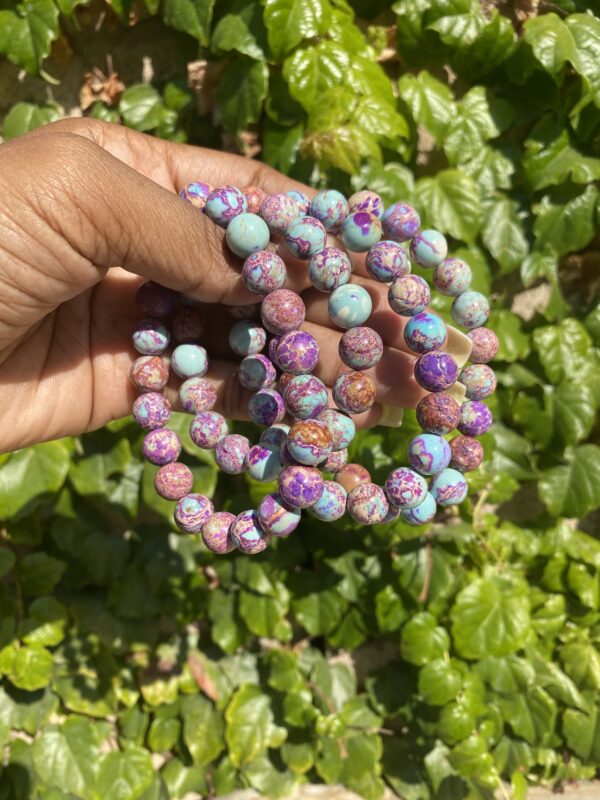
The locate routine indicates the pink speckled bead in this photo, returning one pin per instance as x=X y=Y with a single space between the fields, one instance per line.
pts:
x=161 y=446
x=216 y=532
x=485 y=345
x=192 y=511
x=151 y=410
x=438 y=413
x=467 y=453
x=282 y=311
x=360 y=347
x=256 y=372
x=150 y=337
x=368 y=504
x=300 y=487
x=387 y=261
x=354 y=392
x=279 y=211
x=207 y=429
x=231 y=452
x=266 y=407
x=254 y=197
x=174 y=481
x=263 y=272
x=247 y=533
x=187 y=326
x=366 y=201
x=156 y=300
x=196 y=395
x=409 y=295
x=149 y=373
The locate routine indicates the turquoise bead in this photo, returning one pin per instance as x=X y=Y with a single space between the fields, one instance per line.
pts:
x=305 y=237
x=225 y=203
x=332 y=503
x=425 y=332
x=429 y=248
x=470 y=310
x=422 y=513
x=330 y=207
x=189 y=361
x=452 y=277
x=247 y=338
x=263 y=462
x=349 y=305
x=360 y=231
x=449 y=487
x=247 y=234
x=429 y=453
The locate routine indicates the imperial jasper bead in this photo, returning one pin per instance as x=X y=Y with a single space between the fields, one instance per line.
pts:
x=156 y=301
x=275 y=434
x=266 y=407
x=276 y=517
x=409 y=295
x=216 y=532
x=286 y=457
x=256 y=372
x=309 y=442
x=366 y=201
x=400 y=222
x=231 y=452
x=422 y=513
x=297 y=352
x=352 y=475
x=196 y=395
x=428 y=248
x=283 y=381
x=189 y=361
x=263 y=272
x=329 y=269
x=225 y=203
x=263 y=462
x=428 y=453
x=485 y=345
x=161 y=446
x=187 y=326
x=272 y=348
x=386 y=261
x=438 y=413
x=367 y=504
x=254 y=198
x=247 y=338
x=354 y=392
x=150 y=337
x=279 y=211
x=301 y=200
x=151 y=410
x=330 y=207
x=425 y=332
x=449 y=487
x=282 y=311
x=305 y=237
x=149 y=373
x=436 y=371
x=207 y=429
x=467 y=453
x=196 y=193
x=192 y=511
x=247 y=234
x=335 y=461
x=452 y=277
x=173 y=481
x=300 y=487
x=305 y=396
x=475 y=418
x=332 y=503
x=360 y=348
x=405 y=488
x=349 y=305
x=341 y=427
x=247 y=533
x=360 y=231
x=470 y=310
x=479 y=380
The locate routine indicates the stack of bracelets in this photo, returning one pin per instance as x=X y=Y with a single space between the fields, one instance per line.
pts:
x=318 y=437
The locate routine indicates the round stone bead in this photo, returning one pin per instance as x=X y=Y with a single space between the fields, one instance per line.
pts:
x=485 y=345
x=149 y=373
x=161 y=446
x=354 y=392
x=151 y=410
x=263 y=272
x=150 y=337
x=216 y=532
x=428 y=453
x=254 y=198
x=256 y=372
x=207 y=429
x=330 y=207
x=360 y=231
x=247 y=234
x=335 y=461
x=349 y=305
x=300 y=486
x=329 y=269
x=282 y=311
x=247 y=338
x=405 y=488
x=263 y=462
x=189 y=361
x=301 y=199
x=409 y=295
x=475 y=418
x=231 y=452
x=425 y=332
x=225 y=203
x=436 y=371
x=305 y=396
x=352 y=475
x=367 y=504
x=276 y=434
x=479 y=380
x=156 y=301
x=247 y=533
x=173 y=481
x=192 y=511
x=272 y=348
x=276 y=517
x=187 y=326
x=248 y=311
x=449 y=487
x=422 y=513
x=305 y=237
x=470 y=310
x=286 y=457
x=387 y=261
x=452 y=277
x=297 y=352
x=283 y=381
x=196 y=193
x=309 y=442
x=400 y=222
x=196 y=395
x=266 y=407
x=360 y=348
x=332 y=503
x=438 y=413
x=428 y=248
x=341 y=427
x=279 y=211
x=392 y=515
x=366 y=201
x=467 y=453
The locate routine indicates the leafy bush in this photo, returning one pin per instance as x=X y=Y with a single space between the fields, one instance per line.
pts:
x=135 y=664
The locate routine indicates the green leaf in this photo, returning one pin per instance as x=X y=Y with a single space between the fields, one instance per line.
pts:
x=573 y=489
x=479 y=118
x=551 y=42
x=550 y=159
x=40 y=573
x=514 y=344
x=26 y=33
x=242 y=90
x=317 y=608
x=491 y=170
x=430 y=102
x=582 y=732
x=563 y=349
x=585 y=30
x=310 y=71
x=90 y=475
x=582 y=663
x=450 y=203
x=422 y=640
x=249 y=720
x=190 y=16
x=511 y=454
x=336 y=682
x=392 y=181
x=46 y=622
x=24 y=117
x=573 y=409
x=7 y=561
x=141 y=107
x=240 y=31
x=471 y=758
x=27 y=668
x=163 y=734
x=264 y=776
x=531 y=715
x=66 y=757
x=503 y=234
x=31 y=473
x=459 y=30
x=566 y=222
x=281 y=145
x=290 y=21
x=125 y=775
x=439 y=682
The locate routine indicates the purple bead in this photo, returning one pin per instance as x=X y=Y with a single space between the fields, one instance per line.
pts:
x=387 y=261
x=272 y=348
x=156 y=300
x=405 y=488
x=428 y=453
x=330 y=208
x=150 y=337
x=266 y=407
x=207 y=429
x=151 y=410
x=300 y=487
x=216 y=533
x=452 y=277
x=256 y=372
x=467 y=453
x=475 y=418
x=305 y=237
x=192 y=511
x=409 y=295
x=360 y=231
x=173 y=481
x=400 y=222
x=279 y=211
x=366 y=201
x=231 y=452
x=225 y=203
x=335 y=461
x=275 y=435
x=425 y=332
x=360 y=348
x=297 y=352
x=436 y=371
x=161 y=446
x=479 y=380
x=329 y=269
x=276 y=517
x=263 y=272
x=485 y=345
x=196 y=395
x=438 y=413
x=368 y=504
x=282 y=311
x=449 y=487
x=247 y=533
x=305 y=396
x=196 y=193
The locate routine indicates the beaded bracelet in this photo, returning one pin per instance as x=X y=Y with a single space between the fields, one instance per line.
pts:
x=316 y=440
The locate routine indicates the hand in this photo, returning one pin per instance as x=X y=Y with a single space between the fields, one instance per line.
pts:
x=86 y=210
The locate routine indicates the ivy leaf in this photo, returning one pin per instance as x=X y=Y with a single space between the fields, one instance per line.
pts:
x=25 y=117
x=264 y=776
x=479 y=118
x=310 y=71
x=281 y=144
x=439 y=682
x=40 y=573
x=66 y=757
x=549 y=158
x=290 y=21
x=514 y=343
x=503 y=234
x=27 y=32
x=530 y=714
x=241 y=92
x=125 y=774
x=563 y=349
x=431 y=102
x=450 y=202
x=239 y=31
x=392 y=181
x=141 y=107
x=552 y=43
x=202 y=729
x=581 y=661
x=573 y=489
x=317 y=608
x=459 y=30
x=190 y=16
x=336 y=682
x=46 y=622
x=566 y=221
x=511 y=454
x=573 y=408
x=491 y=170
x=582 y=732
x=27 y=668
x=30 y=473
x=249 y=720
x=422 y=640
x=585 y=30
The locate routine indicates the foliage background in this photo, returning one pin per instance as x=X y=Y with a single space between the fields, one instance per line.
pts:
x=135 y=666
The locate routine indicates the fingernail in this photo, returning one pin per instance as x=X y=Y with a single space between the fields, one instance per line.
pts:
x=457 y=391
x=459 y=346
x=391 y=416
